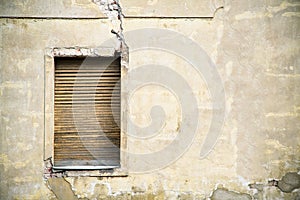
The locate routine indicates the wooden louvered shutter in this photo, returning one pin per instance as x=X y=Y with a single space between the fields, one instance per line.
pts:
x=87 y=112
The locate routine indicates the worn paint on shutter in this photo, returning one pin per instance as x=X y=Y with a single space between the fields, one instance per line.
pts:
x=87 y=112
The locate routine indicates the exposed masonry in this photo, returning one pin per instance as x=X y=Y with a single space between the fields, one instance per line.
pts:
x=111 y=8
x=289 y=183
x=63 y=189
x=49 y=172
x=80 y=51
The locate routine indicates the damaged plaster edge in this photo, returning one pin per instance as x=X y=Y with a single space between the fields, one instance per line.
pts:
x=117 y=172
x=77 y=51
x=289 y=183
x=50 y=172
x=64 y=188
x=215 y=6
x=113 y=10
x=81 y=51
x=224 y=193
x=61 y=188
x=259 y=186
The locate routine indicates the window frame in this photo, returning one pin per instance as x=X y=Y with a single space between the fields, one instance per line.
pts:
x=49 y=75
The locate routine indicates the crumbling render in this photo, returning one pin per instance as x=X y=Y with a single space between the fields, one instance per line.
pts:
x=49 y=172
x=61 y=188
x=288 y=183
x=80 y=51
x=225 y=194
x=113 y=10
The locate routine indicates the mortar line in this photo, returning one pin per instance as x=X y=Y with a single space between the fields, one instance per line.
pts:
x=96 y=18
x=168 y=17
x=53 y=18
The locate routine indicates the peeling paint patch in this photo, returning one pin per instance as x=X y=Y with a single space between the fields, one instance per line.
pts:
x=270 y=11
x=287 y=114
x=109 y=7
x=224 y=194
x=80 y=51
x=283 y=6
x=288 y=184
x=113 y=10
x=61 y=188
x=9 y=164
x=4 y=161
x=24 y=179
x=284 y=75
x=291 y=14
x=10 y=84
x=252 y=15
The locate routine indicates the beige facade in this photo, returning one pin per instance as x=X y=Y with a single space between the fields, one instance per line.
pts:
x=252 y=48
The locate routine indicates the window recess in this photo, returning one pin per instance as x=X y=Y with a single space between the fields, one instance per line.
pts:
x=87 y=113
x=85 y=106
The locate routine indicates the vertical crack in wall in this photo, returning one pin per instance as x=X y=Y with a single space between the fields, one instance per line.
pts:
x=113 y=10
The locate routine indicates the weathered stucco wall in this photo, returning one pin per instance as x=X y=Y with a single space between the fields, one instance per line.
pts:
x=255 y=48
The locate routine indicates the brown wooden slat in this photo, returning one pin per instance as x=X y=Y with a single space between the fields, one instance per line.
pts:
x=102 y=66
x=62 y=71
x=102 y=91
x=78 y=141
x=77 y=159
x=89 y=95
x=102 y=143
x=88 y=102
x=85 y=111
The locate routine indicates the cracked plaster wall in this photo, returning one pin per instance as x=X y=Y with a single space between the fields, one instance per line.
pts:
x=255 y=46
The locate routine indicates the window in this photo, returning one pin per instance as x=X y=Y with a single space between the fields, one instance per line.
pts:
x=83 y=110
x=87 y=113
